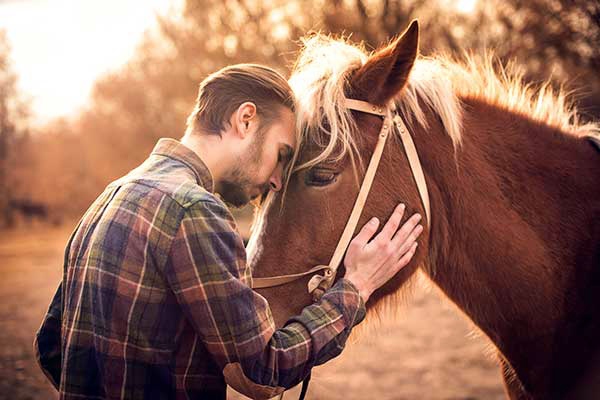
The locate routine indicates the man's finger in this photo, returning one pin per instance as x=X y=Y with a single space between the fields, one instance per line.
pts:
x=407 y=228
x=404 y=244
x=390 y=227
x=403 y=262
x=365 y=234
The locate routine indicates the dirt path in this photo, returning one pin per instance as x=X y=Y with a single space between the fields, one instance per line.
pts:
x=426 y=353
x=30 y=269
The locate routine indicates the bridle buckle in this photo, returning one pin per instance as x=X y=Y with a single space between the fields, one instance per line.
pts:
x=318 y=284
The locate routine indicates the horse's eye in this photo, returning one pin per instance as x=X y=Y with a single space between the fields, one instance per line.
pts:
x=320 y=177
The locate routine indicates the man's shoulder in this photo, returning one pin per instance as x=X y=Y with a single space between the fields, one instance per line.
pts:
x=184 y=193
x=187 y=193
x=190 y=198
x=170 y=194
x=206 y=205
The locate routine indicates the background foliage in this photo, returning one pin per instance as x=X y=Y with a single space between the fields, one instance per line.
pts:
x=58 y=169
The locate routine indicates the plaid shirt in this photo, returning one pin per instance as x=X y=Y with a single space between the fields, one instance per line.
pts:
x=156 y=299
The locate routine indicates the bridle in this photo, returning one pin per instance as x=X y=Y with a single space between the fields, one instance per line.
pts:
x=318 y=284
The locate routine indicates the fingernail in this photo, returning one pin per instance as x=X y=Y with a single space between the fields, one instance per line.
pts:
x=420 y=227
x=402 y=206
x=418 y=217
x=373 y=221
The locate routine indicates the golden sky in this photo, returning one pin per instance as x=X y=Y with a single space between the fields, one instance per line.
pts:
x=59 y=47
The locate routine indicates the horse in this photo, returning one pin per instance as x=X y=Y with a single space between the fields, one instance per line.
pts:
x=514 y=187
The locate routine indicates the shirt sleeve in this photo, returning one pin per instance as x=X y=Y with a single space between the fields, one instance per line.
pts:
x=47 y=342
x=207 y=272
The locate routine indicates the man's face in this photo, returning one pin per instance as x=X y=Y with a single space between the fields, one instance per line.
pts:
x=261 y=165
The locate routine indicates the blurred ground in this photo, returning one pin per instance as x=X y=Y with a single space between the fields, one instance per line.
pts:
x=30 y=268
x=426 y=353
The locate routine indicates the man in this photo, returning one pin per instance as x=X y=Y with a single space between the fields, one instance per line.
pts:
x=156 y=300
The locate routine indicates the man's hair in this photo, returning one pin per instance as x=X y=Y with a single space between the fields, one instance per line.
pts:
x=222 y=92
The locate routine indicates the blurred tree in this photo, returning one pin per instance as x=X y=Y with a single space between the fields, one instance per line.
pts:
x=549 y=38
x=558 y=38
x=152 y=95
x=13 y=132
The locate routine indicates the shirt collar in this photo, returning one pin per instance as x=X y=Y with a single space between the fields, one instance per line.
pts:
x=174 y=149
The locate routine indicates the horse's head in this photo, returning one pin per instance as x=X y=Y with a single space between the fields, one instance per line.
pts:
x=300 y=227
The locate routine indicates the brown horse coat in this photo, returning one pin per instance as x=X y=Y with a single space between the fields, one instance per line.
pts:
x=515 y=199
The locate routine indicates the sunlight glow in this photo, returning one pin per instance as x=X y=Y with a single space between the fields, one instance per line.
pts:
x=465 y=6
x=59 y=47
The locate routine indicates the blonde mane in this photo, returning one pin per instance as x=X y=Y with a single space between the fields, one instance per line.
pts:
x=324 y=66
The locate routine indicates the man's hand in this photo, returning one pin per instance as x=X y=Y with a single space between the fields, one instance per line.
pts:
x=371 y=264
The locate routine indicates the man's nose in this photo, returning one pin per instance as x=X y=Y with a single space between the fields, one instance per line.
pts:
x=275 y=181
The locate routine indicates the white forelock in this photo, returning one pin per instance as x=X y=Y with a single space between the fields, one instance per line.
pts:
x=323 y=68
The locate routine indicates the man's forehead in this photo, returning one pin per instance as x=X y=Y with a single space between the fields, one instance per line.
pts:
x=287 y=132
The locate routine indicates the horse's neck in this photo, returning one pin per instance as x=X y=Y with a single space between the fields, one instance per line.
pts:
x=514 y=214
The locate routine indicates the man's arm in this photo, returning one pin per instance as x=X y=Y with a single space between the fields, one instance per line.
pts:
x=207 y=272
x=46 y=345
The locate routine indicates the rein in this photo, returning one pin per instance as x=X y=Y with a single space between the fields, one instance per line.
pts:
x=318 y=284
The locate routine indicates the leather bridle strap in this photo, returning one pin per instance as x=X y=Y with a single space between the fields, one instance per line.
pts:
x=259 y=283
x=415 y=165
x=409 y=147
x=366 y=107
x=318 y=284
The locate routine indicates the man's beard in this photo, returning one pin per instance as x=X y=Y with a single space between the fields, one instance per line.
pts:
x=236 y=189
x=236 y=193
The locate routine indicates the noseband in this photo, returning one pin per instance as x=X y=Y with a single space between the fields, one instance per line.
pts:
x=318 y=284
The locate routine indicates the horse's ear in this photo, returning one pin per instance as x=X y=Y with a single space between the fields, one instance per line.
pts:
x=386 y=72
